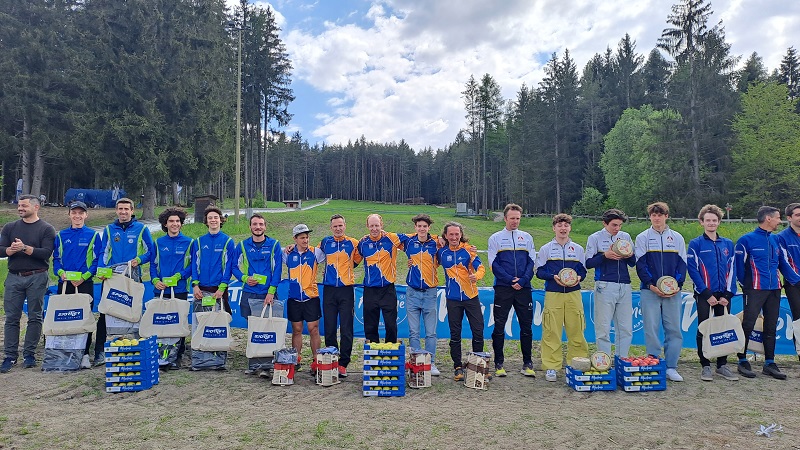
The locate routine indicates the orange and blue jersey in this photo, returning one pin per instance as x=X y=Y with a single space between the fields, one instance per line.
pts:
x=380 y=259
x=710 y=265
x=302 y=268
x=458 y=263
x=759 y=257
x=341 y=256
x=422 y=274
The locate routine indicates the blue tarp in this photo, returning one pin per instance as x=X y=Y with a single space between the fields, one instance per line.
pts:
x=105 y=198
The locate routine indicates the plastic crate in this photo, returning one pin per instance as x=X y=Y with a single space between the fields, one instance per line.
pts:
x=374 y=381
x=581 y=386
x=371 y=372
x=400 y=363
x=625 y=366
x=577 y=375
x=633 y=387
x=370 y=391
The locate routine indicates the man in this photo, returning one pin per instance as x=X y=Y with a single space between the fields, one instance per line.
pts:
x=257 y=264
x=759 y=257
x=212 y=255
x=28 y=244
x=710 y=264
x=75 y=258
x=661 y=251
x=170 y=266
x=789 y=239
x=379 y=250
x=338 y=298
x=303 y=304
x=126 y=240
x=612 y=284
x=422 y=280
x=511 y=257
x=563 y=305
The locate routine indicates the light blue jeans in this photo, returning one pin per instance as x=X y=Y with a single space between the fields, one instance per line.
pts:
x=612 y=301
x=421 y=305
x=658 y=311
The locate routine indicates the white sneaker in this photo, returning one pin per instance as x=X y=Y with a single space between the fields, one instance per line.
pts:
x=673 y=375
x=550 y=375
x=85 y=363
x=434 y=371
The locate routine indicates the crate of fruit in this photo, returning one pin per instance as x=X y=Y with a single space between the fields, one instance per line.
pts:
x=383 y=381
x=393 y=363
x=640 y=364
x=384 y=349
x=377 y=371
x=385 y=391
x=590 y=375
x=643 y=386
x=592 y=386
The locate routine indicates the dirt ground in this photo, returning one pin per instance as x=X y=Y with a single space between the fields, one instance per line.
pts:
x=231 y=410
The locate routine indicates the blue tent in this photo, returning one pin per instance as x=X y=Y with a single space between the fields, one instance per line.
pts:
x=94 y=197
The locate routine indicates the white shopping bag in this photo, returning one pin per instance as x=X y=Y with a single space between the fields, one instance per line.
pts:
x=122 y=297
x=265 y=335
x=722 y=335
x=213 y=333
x=796 y=326
x=165 y=317
x=69 y=314
x=755 y=342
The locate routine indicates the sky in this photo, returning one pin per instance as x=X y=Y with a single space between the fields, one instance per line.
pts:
x=395 y=69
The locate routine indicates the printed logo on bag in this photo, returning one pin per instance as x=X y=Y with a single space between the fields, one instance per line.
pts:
x=166 y=319
x=756 y=336
x=67 y=315
x=215 y=332
x=723 y=337
x=267 y=337
x=118 y=296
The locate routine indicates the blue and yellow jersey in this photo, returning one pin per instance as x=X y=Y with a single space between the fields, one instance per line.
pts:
x=302 y=268
x=172 y=256
x=262 y=258
x=458 y=263
x=77 y=250
x=211 y=260
x=422 y=274
x=380 y=259
x=341 y=255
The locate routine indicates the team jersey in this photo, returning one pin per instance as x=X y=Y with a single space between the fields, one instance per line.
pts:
x=77 y=250
x=759 y=257
x=302 y=268
x=380 y=259
x=124 y=242
x=172 y=256
x=789 y=240
x=615 y=271
x=263 y=258
x=711 y=266
x=553 y=257
x=511 y=255
x=660 y=254
x=422 y=274
x=341 y=256
x=211 y=260
x=458 y=263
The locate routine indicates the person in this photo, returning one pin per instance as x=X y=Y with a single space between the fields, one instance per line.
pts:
x=257 y=264
x=612 y=284
x=660 y=251
x=124 y=241
x=759 y=258
x=563 y=305
x=303 y=299
x=789 y=240
x=171 y=260
x=212 y=256
x=28 y=244
x=77 y=249
x=422 y=281
x=462 y=270
x=379 y=250
x=511 y=258
x=710 y=264
x=338 y=296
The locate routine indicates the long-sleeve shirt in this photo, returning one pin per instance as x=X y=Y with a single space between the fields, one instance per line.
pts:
x=605 y=269
x=711 y=266
x=380 y=259
x=38 y=235
x=212 y=260
x=759 y=257
x=458 y=263
x=790 y=241
x=554 y=257
x=76 y=250
x=660 y=254
x=123 y=242
x=172 y=256
x=302 y=269
x=511 y=255
x=341 y=256
x=262 y=258
x=423 y=271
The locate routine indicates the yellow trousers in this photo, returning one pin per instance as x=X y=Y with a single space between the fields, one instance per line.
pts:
x=562 y=311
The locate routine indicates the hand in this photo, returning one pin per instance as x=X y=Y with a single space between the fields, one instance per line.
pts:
x=712 y=301
x=472 y=249
x=251 y=281
x=473 y=278
x=658 y=292
x=77 y=283
x=515 y=283
x=441 y=242
x=134 y=262
x=558 y=280
x=160 y=286
x=611 y=255
x=218 y=294
x=198 y=294
x=63 y=277
x=289 y=248
x=17 y=246
x=269 y=299
x=409 y=263
x=723 y=301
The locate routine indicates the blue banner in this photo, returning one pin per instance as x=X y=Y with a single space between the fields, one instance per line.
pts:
x=784 y=344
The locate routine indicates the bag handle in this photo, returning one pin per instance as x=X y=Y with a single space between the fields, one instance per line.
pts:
x=64 y=288
x=263 y=310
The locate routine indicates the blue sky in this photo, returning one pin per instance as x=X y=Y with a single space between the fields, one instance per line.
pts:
x=395 y=69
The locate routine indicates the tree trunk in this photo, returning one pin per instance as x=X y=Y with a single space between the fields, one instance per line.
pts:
x=25 y=159
x=149 y=202
x=175 y=194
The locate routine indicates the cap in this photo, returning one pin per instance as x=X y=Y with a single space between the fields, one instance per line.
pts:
x=299 y=229
x=80 y=205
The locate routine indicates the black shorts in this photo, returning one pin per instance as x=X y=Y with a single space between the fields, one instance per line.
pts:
x=308 y=310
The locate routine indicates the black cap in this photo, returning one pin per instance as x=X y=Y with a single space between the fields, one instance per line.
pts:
x=80 y=205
